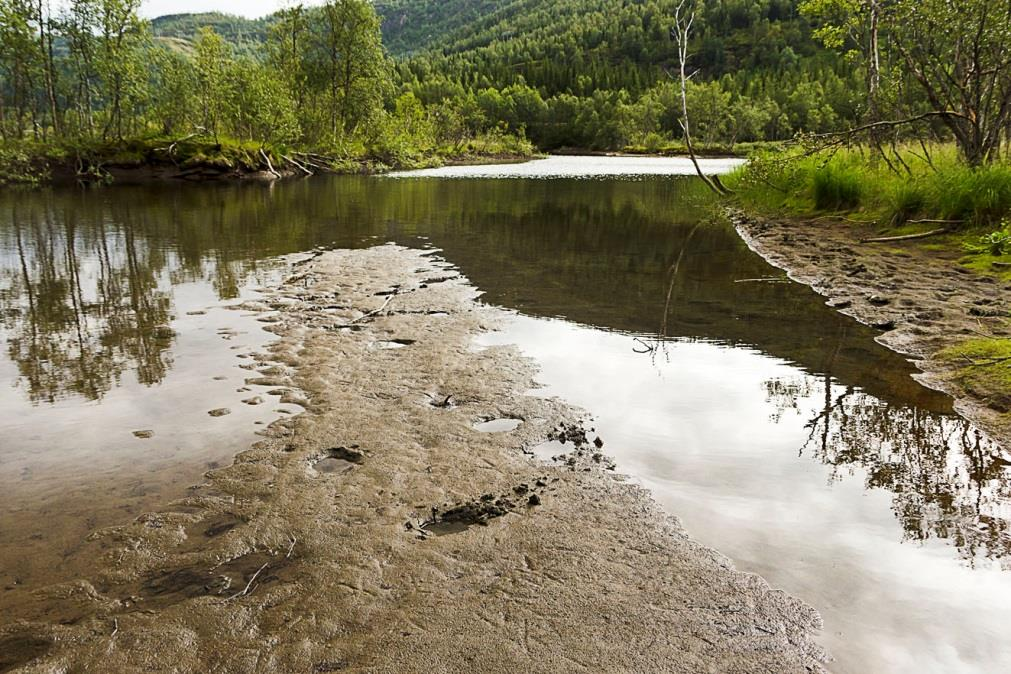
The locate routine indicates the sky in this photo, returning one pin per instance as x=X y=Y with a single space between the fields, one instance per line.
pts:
x=248 y=8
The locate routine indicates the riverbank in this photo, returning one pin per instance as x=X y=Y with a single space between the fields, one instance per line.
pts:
x=201 y=158
x=386 y=530
x=950 y=320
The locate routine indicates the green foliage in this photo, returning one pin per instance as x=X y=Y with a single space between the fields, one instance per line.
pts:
x=599 y=68
x=996 y=243
x=920 y=186
x=837 y=187
x=19 y=163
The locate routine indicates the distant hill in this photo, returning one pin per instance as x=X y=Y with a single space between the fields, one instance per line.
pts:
x=410 y=26
x=178 y=31
x=584 y=45
x=607 y=51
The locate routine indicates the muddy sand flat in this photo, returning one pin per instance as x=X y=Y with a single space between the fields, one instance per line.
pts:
x=390 y=528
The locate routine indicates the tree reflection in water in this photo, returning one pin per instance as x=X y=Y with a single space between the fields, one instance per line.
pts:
x=86 y=283
x=947 y=479
x=80 y=308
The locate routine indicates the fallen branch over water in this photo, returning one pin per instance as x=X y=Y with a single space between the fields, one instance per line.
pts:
x=906 y=237
x=297 y=165
x=270 y=166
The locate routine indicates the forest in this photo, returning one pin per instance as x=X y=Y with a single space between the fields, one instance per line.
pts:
x=401 y=82
x=415 y=82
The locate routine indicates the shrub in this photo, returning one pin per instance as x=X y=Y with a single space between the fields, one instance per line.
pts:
x=995 y=243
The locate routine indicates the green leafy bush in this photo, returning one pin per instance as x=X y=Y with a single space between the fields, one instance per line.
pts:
x=995 y=243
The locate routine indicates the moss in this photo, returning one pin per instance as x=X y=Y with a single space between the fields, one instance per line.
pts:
x=983 y=369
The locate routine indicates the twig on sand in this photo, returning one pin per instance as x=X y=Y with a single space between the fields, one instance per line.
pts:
x=115 y=627
x=373 y=312
x=291 y=548
x=245 y=590
x=906 y=237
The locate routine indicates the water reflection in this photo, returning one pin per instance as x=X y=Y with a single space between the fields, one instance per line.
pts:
x=90 y=280
x=947 y=479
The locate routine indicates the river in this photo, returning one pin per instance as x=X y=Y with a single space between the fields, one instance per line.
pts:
x=777 y=430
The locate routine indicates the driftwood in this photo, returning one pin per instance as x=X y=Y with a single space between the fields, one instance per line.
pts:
x=270 y=166
x=844 y=219
x=375 y=311
x=297 y=165
x=905 y=237
x=171 y=147
x=249 y=585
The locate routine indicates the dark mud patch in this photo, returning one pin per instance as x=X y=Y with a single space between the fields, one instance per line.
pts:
x=18 y=650
x=458 y=517
x=575 y=447
x=213 y=527
x=438 y=279
x=233 y=579
x=337 y=460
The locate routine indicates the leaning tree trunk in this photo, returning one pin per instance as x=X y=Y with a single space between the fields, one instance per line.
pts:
x=681 y=32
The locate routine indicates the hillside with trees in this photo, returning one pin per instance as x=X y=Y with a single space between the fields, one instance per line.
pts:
x=596 y=73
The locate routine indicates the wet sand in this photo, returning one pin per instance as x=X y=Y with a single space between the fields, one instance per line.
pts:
x=921 y=300
x=386 y=529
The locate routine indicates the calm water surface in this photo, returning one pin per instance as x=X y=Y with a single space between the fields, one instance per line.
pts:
x=776 y=429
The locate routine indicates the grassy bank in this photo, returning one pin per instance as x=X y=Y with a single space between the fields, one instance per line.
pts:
x=919 y=192
x=858 y=183
x=679 y=149
x=207 y=157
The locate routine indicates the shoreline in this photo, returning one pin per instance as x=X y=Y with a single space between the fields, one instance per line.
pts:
x=920 y=300
x=382 y=530
x=47 y=172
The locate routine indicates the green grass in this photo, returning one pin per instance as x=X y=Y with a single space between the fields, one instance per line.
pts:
x=983 y=368
x=857 y=183
x=678 y=148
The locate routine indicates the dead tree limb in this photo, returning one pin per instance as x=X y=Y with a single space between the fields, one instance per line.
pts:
x=905 y=237
x=297 y=165
x=270 y=167
x=683 y=20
